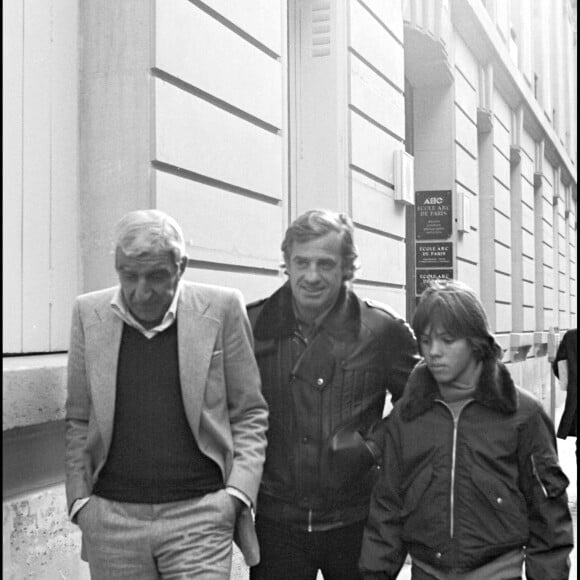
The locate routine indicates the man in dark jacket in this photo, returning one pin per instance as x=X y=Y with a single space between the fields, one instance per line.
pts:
x=565 y=367
x=327 y=359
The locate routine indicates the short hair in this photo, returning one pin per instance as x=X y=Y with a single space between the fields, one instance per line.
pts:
x=149 y=231
x=456 y=307
x=316 y=223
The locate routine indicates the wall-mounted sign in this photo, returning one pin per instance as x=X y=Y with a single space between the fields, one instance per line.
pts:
x=423 y=277
x=433 y=219
x=434 y=254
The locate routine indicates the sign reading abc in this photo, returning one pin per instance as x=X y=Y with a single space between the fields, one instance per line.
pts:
x=433 y=215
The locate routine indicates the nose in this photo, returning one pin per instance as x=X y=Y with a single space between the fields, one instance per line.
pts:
x=434 y=348
x=312 y=275
x=142 y=290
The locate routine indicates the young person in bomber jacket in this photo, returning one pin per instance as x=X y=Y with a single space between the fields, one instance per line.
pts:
x=473 y=488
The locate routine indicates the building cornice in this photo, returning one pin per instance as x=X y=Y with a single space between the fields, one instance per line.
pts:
x=471 y=20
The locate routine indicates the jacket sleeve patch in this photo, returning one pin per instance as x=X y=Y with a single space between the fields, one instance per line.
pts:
x=549 y=475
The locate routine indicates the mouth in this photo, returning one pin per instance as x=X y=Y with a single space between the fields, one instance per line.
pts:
x=313 y=291
x=435 y=368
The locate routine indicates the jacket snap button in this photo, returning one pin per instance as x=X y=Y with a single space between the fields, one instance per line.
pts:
x=499 y=500
x=320 y=381
x=438 y=555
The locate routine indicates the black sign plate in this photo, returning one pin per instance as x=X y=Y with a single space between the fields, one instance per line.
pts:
x=424 y=276
x=434 y=254
x=433 y=217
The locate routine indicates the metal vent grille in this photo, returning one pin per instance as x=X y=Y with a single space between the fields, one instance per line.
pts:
x=321 y=28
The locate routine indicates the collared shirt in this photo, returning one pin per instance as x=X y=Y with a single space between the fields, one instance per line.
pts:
x=120 y=309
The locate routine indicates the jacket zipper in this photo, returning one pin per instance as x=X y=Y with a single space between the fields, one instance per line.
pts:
x=310 y=520
x=453 y=465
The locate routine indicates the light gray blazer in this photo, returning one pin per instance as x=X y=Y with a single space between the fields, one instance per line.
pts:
x=220 y=383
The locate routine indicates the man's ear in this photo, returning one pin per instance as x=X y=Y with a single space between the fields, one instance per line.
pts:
x=182 y=265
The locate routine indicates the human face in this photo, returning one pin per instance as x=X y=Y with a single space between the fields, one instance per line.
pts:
x=315 y=271
x=450 y=359
x=148 y=283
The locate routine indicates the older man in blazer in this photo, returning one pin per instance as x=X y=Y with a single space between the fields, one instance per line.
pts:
x=165 y=421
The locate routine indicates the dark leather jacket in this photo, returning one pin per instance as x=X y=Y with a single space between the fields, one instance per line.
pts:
x=326 y=395
x=459 y=493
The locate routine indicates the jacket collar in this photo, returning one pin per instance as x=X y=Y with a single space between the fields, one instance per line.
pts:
x=495 y=390
x=277 y=317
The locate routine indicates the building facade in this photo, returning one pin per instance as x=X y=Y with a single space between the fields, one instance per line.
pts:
x=445 y=128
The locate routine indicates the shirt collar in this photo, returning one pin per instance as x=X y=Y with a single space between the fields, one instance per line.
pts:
x=120 y=309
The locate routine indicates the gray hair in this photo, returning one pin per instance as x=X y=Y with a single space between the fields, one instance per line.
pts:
x=316 y=223
x=149 y=231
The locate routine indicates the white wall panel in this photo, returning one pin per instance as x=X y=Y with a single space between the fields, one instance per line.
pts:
x=64 y=234
x=503 y=258
x=202 y=138
x=466 y=170
x=528 y=193
x=221 y=226
x=382 y=259
x=253 y=286
x=466 y=132
x=528 y=219
x=468 y=245
x=469 y=274
x=36 y=176
x=393 y=297
x=502 y=200
x=465 y=61
x=373 y=205
x=528 y=245
x=389 y=13
x=263 y=22
x=501 y=170
x=529 y=293
x=502 y=229
x=548 y=259
x=375 y=97
x=218 y=61
x=502 y=112
x=372 y=148
x=369 y=39
x=466 y=96
x=12 y=112
x=503 y=318
x=529 y=318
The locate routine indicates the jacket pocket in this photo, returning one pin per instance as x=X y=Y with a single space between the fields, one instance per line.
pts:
x=549 y=475
x=497 y=514
x=497 y=493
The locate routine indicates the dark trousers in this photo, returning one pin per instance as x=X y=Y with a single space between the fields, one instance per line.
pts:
x=290 y=554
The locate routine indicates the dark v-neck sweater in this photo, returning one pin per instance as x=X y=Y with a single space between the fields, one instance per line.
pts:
x=154 y=457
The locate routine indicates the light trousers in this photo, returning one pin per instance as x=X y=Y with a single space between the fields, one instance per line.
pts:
x=172 y=541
